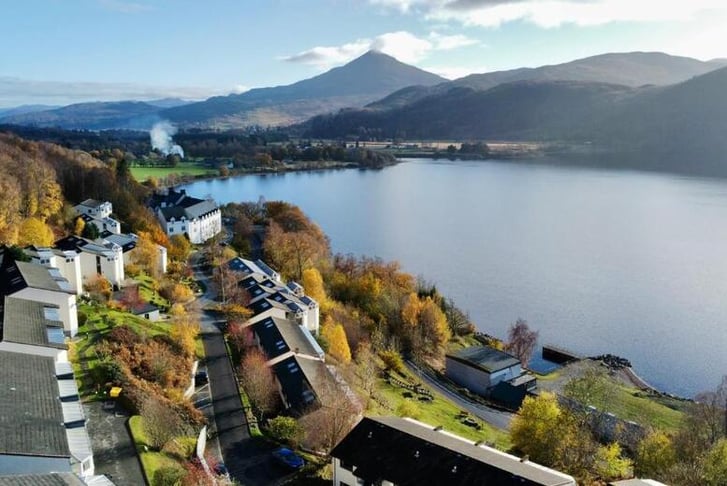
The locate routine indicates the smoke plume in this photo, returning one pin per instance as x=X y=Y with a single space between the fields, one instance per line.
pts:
x=161 y=139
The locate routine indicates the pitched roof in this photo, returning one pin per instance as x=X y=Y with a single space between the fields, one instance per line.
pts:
x=280 y=336
x=27 y=322
x=50 y=479
x=126 y=242
x=77 y=243
x=31 y=416
x=37 y=277
x=301 y=380
x=176 y=205
x=407 y=452
x=265 y=304
x=485 y=358
x=91 y=203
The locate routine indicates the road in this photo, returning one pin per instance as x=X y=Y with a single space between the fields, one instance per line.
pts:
x=492 y=416
x=247 y=459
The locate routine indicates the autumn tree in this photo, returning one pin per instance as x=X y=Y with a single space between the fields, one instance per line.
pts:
x=609 y=464
x=521 y=341
x=313 y=283
x=9 y=207
x=184 y=333
x=258 y=381
x=593 y=387
x=179 y=248
x=33 y=231
x=78 y=226
x=146 y=254
x=715 y=464
x=286 y=430
x=535 y=430
x=160 y=422
x=655 y=454
x=366 y=369
x=338 y=346
x=335 y=417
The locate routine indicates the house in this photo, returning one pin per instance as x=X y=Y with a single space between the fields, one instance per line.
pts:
x=98 y=214
x=103 y=258
x=282 y=338
x=30 y=281
x=303 y=383
x=128 y=244
x=42 y=425
x=32 y=328
x=180 y=214
x=68 y=262
x=54 y=479
x=480 y=368
x=148 y=311
x=266 y=290
x=401 y=451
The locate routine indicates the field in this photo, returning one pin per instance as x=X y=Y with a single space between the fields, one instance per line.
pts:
x=191 y=168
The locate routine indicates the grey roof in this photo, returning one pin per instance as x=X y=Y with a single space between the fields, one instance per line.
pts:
x=126 y=242
x=91 y=203
x=407 y=452
x=24 y=322
x=299 y=379
x=40 y=277
x=266 y=269
x=279 y=336
x=485 y=358
x=78 y=243
x=263 y=305
x=637 y=482
x=50 y=479
x=31 y=416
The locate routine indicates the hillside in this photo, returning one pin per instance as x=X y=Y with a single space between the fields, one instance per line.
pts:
x=632 y=69
x=361 y=81
x=91 y=116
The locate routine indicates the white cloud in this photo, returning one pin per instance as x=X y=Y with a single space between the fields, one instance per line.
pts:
x=17 y=91
x=402 y=45
x=553 y=13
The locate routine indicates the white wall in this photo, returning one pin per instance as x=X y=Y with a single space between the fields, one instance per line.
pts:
x=70 y=268
x=112 y=270
x=65 y=302
x=59 y=355
x=342 y=476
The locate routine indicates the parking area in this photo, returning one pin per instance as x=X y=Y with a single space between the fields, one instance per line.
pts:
x=114 y=453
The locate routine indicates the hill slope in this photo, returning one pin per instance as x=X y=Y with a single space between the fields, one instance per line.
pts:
x=629 y=69
x=361 y=81
x=92 y=116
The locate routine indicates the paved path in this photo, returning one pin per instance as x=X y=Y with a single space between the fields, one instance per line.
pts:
x=114 y=453
x=247 y=459
x=492 y=416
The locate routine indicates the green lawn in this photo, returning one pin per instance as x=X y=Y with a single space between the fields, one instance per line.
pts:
x=625 y=403
x=192 y=168
x=147 y=292
x=440 y=411
x=151 y=461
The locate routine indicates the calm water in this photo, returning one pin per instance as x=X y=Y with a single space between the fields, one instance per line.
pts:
x=599 y=261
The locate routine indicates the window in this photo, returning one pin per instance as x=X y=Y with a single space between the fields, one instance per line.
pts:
x=345 y=465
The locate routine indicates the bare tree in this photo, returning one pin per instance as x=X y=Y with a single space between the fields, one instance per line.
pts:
x=161 y=423
x=258 y=381
x=521 y=341
x=708 y=415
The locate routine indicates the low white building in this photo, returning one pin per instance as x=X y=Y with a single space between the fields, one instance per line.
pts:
x=68 y=262
x=43 y=424
x=104 y=258
x=30 y=281
x=128 y=243
x=98 y=213
x=32 y=328
x=180 y=214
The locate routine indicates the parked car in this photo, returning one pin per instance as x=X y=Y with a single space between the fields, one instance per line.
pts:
x=201 y=378
x=288 y=458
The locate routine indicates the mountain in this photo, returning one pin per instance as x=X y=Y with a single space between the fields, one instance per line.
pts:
x=629 y=69
x=678 y=128
x=363 y=80
x=22 y=109
x=92 y=116
x=168 y=102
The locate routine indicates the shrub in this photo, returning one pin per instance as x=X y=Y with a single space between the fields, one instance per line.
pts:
x=168 y=476
x=408 y=409
x=392 y=360
x=286 y=430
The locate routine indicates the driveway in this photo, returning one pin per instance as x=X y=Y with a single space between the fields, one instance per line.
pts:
x=247 y=459
x=114 y=453
x=492 y=416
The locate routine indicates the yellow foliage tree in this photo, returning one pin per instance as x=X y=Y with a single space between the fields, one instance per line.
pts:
x=338 y=346
x=410 y=310
x=184 y=333
x=313 y=284
x=78 y=226
x=534 y=431
x=34 y=231
x=146 y=253
x=179 y=248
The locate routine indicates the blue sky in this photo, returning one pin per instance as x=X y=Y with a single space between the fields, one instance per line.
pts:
x=62 y=51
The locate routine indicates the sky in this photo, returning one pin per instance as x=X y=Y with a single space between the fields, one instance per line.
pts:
x=68 y=51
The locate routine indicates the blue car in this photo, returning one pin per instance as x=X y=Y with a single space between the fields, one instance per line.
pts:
x=288 y=458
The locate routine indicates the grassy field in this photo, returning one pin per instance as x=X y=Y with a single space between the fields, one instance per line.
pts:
x=192 y=168
x=440 y=411
x=152 y=461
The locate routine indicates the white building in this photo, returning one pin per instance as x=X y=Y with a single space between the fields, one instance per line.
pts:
x=68 y=262
x=43 y=425
x=104 y=258
x=30 y=281
x=128 y=244
x=32 y=328
x=98 y=213
x=180 y=214
x=393 y=450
